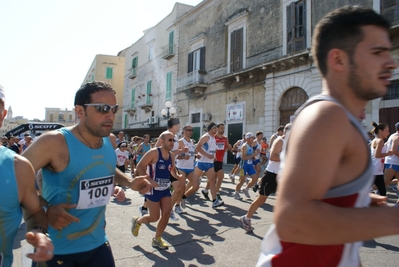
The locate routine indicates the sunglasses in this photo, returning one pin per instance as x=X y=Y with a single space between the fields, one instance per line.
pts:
x=171 y=140
x=104 y=108
x=189 y=130
x=123 y=146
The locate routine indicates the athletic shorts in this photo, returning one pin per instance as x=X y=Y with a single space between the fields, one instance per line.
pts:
x=187 y=171
x=157 y=195
x=255 y=162
x=249 y=169
x=217 y=166
x=392 y=166
x=203 y=166
x=172 y=178
x=237 y=160
x=101 y=256
x=122 y=168
x=269 y=184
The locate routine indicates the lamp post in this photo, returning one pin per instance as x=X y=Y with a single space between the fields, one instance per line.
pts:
x=169 y=111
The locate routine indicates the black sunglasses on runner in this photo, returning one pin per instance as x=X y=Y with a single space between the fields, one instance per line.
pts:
x=104 y=108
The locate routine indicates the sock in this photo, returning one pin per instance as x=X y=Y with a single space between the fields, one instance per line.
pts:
x=214 y=200
x=144 y=208
x=205 y=190
x=184 y=197
x=218 y=193
x=177 y=205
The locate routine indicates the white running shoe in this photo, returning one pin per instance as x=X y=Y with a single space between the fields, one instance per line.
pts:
x=173 y=216
x=232 y=178
x=178 y=210
x=183 y=203
x=246 y=193
x=217 y=203
x=237 y=196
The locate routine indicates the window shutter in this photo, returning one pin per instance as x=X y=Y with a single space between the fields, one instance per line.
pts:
x=202 y=58
x=171 y=41
x=300 y=25
x=290 y=27
x=190 y=62
x=126 y=120
x=168 y=94
x=108 y=73
x=133 y=98
x=236 y=43
x=148 y=92
x=389 y=10
x=232 y=50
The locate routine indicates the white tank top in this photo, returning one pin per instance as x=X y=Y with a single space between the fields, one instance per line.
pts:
x=238 y=153
x=210 y=148
x=393 y=159
x=258 y=146
x=378 y=163
x=187 y=163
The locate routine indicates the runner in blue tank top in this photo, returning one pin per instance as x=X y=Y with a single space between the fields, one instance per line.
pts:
x=159 y=163
x=17 y=190
x=79 y=177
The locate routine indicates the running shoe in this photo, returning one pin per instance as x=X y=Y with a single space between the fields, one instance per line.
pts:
x=183 y=203
x=246 y=224
x=173 y=216
x=246 y=193
x=135 y=226
x=178 y=210
x=143 y=211
x=237 y=196
x=395 y=188
x=247 y=180
x=255 y=187
x=218 y=196
x=217 y=203
x=158 y=242
x=206 y=194
x=232 y=178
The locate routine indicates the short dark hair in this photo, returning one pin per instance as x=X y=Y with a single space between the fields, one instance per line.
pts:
x=258 y=133
x=280 y=128
x=220 y=124
x=172 y=122
x=83 y=95
x=342 y=29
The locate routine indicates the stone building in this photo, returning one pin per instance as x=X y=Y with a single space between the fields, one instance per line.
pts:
x=62 y=116
x=109 y=69
x=248 y=64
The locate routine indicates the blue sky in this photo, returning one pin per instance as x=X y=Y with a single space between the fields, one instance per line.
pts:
x=47 y=46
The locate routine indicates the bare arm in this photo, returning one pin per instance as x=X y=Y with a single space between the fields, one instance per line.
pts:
x=314 y=164
x=395 y=145
x=33 y=213
x=112 y=138
x=199 y=149
x=379 y=143
x=276 y=150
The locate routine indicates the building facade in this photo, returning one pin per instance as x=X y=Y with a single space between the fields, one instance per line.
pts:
x=109 y=69
x=62 y=116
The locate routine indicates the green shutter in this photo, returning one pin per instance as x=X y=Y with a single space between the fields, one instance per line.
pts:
x=148 y=97
x=108 y=74
x=135 y=63
x=168 y=94
x=126 y=120
x=171 y=41
x=133 y=98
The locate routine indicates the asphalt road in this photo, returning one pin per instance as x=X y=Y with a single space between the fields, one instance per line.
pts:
x=204 y=236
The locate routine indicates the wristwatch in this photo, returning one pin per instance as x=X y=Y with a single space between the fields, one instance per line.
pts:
x=41 y=230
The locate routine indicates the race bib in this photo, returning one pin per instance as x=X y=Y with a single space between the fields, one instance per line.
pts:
x=163 y=184
x=249 y=161
x=95 y=192
x=220 y=146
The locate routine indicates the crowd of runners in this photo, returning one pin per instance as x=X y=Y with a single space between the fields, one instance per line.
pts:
x=65 y=178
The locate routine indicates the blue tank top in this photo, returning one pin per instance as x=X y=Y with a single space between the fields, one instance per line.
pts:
x=87 y=181
x=160 y=172
x=250 y=151
x=145 y=149
x=10 y=208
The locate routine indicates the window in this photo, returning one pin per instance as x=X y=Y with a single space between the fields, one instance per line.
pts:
x=168 y=94
x=135 y=63
x=126 y=120
x=108 y=73
x=296 y=26
x=236 y=50
x=393 y=91
x=92 y=77
x=133 y=98
x=171 y=42
x=148 y=96
x=150 y=52
x=195 y=117
x=51 y=117
x=390 y=10
x=196 y=60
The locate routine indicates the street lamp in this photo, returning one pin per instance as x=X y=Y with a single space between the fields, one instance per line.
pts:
x=169 y=111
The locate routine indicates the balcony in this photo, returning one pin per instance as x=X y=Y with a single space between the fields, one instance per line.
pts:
x=168 y=51
x=147 y=105
x=131 y=111
x=133 y=74
x=193 y=84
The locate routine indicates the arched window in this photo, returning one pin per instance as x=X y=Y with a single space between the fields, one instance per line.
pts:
x=291 y=101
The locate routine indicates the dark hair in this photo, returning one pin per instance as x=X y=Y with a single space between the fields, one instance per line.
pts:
x=83 y=95
x=210 y=126
x=220 y=124
x=342 y=29
x=258 y=133
x=172 y=122
x=280 y=128
x=378 y=127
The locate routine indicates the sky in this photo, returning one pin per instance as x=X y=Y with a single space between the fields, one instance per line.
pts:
x=47 y=46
